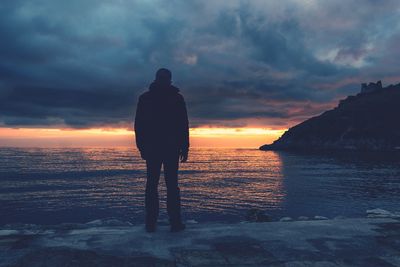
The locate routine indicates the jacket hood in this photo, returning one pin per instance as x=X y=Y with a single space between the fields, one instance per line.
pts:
x=162 y=88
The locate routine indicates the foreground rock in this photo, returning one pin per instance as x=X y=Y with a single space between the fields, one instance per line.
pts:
x=367 y=121
x=347 y=242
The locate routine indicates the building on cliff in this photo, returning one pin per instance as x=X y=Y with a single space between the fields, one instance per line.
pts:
x=371 y=87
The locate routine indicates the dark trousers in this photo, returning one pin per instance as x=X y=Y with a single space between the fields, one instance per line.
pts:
x=171 y=164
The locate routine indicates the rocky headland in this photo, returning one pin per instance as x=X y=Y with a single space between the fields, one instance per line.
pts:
x=367 y=121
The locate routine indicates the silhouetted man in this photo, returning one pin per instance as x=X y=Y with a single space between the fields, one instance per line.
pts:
x=162 y=137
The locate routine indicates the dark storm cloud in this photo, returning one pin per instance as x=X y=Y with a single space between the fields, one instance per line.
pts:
x=80 y=108
x=83 y=63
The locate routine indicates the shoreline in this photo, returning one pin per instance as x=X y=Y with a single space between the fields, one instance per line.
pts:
x=370 y=241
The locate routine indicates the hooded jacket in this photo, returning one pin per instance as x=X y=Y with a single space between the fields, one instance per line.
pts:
x=161 y=121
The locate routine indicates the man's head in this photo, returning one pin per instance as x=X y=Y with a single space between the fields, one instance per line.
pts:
x=163 y=76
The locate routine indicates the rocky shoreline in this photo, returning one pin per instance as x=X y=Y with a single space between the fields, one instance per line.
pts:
x=369 y=241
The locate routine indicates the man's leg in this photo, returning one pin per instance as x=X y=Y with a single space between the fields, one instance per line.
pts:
x=151 y=197
x=171 y=164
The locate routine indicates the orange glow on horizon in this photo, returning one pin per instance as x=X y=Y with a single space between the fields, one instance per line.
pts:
x=201 y=137
x=49 y=132
x=243 y=132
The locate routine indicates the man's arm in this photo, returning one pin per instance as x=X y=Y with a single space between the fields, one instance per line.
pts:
x=185 y=136
x=139 y=127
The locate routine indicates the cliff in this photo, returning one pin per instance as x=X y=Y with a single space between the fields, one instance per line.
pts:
x=367 y=121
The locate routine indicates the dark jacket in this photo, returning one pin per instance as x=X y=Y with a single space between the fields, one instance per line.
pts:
x=161 y=122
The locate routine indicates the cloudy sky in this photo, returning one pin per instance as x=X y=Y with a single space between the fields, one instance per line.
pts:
x=256 y=63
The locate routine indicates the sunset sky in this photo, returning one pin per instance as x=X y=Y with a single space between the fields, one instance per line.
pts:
x=71 y=71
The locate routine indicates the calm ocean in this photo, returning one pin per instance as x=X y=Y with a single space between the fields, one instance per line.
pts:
x=53 y=185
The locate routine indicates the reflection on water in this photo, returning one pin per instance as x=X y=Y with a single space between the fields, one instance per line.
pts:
x=340 y=184
x=79 y=185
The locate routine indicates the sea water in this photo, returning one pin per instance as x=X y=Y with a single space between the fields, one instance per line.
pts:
x=78 y=185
